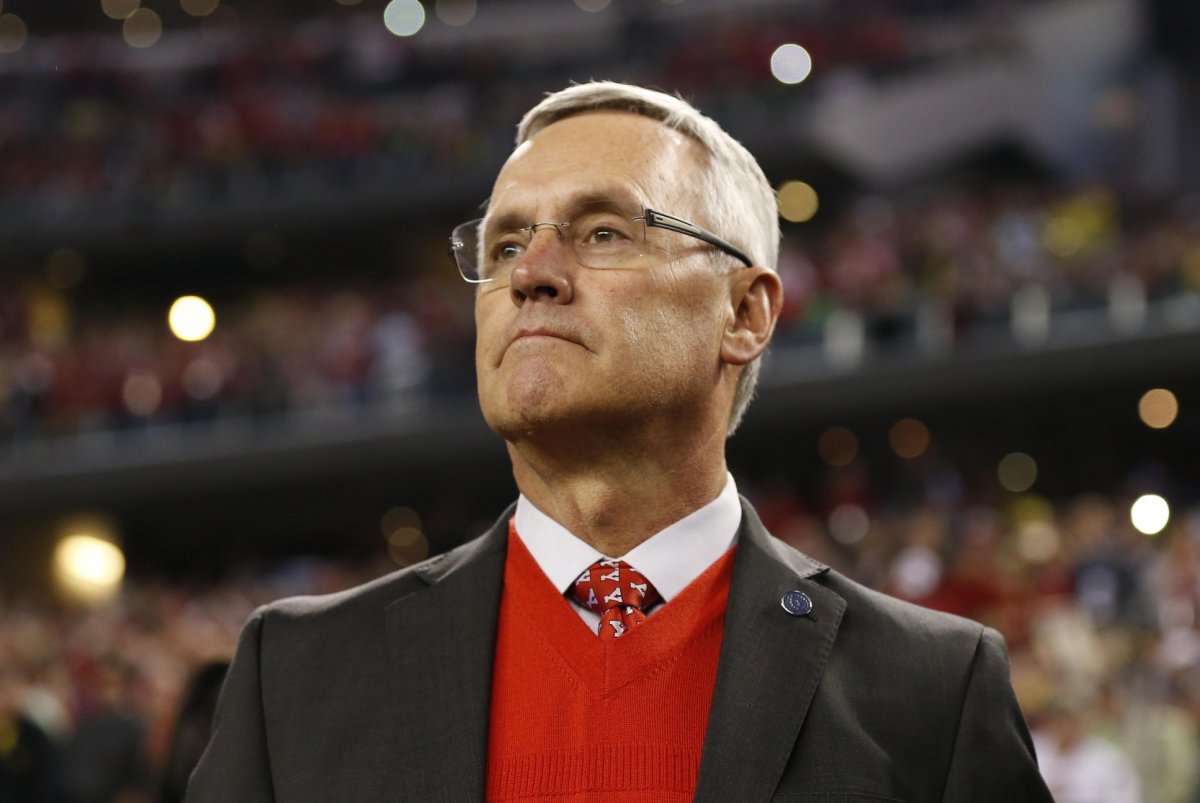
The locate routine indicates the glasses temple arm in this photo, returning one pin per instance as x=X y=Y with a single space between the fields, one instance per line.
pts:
x=670 y=223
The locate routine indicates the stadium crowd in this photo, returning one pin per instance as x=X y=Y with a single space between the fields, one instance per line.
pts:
x=1101 y=623
x=313 y=107
x=72 y=362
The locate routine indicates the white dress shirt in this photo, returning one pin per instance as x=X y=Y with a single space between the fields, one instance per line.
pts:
x=670 y=559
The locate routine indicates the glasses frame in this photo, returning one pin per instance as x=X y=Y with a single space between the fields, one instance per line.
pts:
x=651 y=218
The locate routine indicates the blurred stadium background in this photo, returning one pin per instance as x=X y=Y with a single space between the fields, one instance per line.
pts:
x=235 y=362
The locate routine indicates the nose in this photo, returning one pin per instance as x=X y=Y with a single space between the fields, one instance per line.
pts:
x=546 y=270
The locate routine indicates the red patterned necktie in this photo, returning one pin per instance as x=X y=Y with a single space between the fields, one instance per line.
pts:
x=618 y=592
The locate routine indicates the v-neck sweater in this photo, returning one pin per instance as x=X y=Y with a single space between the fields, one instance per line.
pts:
x=575 y=717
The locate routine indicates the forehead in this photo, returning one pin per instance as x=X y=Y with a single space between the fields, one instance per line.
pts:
x=628 y=157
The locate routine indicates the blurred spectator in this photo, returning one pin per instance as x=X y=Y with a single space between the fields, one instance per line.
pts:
x=1080 y=768
x=104 y=760
x=27 y=753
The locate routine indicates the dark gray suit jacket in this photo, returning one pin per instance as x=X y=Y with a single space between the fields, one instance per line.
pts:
x=380 y=693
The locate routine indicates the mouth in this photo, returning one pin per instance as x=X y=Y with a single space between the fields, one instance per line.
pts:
x=531 y=334
x=541 y=331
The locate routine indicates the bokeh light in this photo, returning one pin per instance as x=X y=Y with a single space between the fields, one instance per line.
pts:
x=838 y=446
x=199 y=8
x=191 y=318
x=849 y=524
x=407 y=544
x=119 y=9
x=1158 y=408
x=1038 y=541
x=798 y=201
x=790 y=64
x=908 y=438
x=202 y=379
x=1150 y=514
x=13 y=33
x=455 y=12
x=916 y=572
x=398 y=518
x=142 y=393
x=88 y=566
x=142 y=28
x=1017 y=472
x=404 y=17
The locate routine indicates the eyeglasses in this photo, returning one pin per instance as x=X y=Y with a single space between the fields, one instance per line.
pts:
x=597 y=236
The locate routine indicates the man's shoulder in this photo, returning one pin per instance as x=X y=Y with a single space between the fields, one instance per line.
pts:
x=868 y=607
x=868 y=611
x=914 y=647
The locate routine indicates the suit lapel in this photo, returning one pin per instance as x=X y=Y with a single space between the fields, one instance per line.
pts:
x=770 y=665
x=441 y=639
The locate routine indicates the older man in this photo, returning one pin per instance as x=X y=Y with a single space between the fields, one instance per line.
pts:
x=628 y=630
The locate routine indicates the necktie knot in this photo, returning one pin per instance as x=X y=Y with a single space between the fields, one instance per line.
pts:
x=616 y=591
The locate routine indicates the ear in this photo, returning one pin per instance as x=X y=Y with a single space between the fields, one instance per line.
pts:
x=756 y=297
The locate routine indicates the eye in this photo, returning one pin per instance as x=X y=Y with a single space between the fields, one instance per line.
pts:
x=507 y=251
x=603 y=231
x=603 y=236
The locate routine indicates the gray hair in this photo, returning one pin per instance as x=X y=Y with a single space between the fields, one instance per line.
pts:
x=741 y=205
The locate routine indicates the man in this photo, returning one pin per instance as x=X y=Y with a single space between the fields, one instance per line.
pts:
x=628 y=631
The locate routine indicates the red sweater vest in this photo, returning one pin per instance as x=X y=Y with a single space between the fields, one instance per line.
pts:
x=575 y=718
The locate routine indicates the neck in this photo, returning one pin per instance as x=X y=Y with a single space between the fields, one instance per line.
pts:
x=616 y=498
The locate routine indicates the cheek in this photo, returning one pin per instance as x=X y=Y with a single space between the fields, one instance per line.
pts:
x=662 y=336
x=489 y=328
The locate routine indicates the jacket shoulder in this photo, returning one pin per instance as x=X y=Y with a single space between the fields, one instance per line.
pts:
x=878 y=609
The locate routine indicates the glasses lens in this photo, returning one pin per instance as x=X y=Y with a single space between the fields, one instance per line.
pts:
x=606 y=236
x=464 y=247
x=597 y=235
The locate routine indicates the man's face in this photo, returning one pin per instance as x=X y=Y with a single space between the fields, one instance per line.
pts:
x=564 y=348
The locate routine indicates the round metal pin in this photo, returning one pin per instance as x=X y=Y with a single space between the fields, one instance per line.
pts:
x=797 y=603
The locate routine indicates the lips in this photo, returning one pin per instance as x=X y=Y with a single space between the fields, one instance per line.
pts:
x=555 y=332
x=540 y=331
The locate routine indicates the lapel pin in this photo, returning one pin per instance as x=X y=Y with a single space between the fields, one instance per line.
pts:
x=797 y=603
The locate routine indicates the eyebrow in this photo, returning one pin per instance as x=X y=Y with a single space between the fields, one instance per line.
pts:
x=617 y=199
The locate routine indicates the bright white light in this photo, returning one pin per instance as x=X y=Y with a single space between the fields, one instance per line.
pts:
x=790 y=64
x=1149 y=514
x=191 y=318
x=89 y=566
x=916 y=572
x=404 y=17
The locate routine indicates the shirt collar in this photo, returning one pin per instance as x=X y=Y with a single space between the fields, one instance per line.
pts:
x=670 y=559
